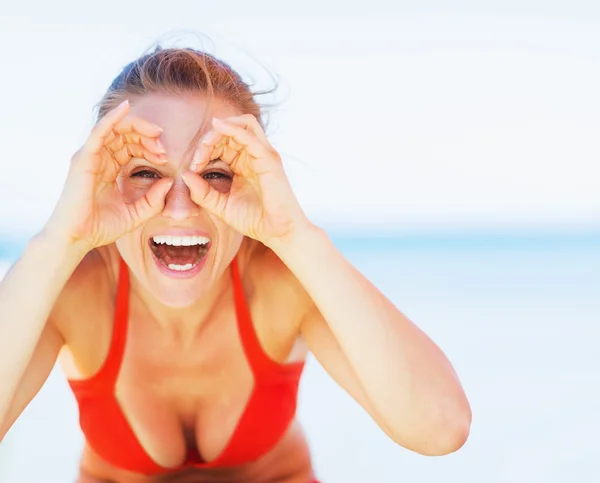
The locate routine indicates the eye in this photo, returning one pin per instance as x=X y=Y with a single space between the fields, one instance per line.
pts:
x=216 y=175
x=218 y=180
x=145 y=173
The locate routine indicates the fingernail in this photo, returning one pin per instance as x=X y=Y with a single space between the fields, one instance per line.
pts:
x=123 y=104
x=160 y=146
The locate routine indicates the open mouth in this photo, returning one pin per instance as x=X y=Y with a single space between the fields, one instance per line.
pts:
x=179 y=253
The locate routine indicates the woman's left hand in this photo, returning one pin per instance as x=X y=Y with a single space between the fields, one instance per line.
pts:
x=260 y=202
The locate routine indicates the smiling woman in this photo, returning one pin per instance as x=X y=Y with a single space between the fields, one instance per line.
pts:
x=183 y=287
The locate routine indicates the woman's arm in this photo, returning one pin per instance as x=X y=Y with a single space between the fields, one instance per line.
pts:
x=91 y=212
x=29 y=342
x=381 y=358
x=377 y=354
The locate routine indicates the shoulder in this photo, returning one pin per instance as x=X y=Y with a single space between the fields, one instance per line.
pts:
x=268 y=275
x=276 y=299
x=86 y=292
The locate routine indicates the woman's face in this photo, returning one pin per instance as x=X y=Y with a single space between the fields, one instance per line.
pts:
x=180 y=253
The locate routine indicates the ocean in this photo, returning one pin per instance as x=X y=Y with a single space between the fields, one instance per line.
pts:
x=517 y=314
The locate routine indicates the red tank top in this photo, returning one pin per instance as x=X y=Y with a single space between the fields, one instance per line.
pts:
x=267 y=415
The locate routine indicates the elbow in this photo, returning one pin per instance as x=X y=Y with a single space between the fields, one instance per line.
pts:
x=450 y=437
x=440 y=436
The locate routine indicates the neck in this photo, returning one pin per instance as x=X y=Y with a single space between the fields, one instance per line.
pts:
x=181 y=324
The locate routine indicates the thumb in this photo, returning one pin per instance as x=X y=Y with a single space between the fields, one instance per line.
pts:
x=151 y=203
x=203 y=194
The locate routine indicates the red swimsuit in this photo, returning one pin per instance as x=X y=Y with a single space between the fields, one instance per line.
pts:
x=268 y=413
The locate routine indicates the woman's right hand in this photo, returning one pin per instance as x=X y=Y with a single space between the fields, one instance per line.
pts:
x=91 y=211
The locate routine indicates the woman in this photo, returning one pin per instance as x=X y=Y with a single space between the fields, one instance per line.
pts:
x=182 y=286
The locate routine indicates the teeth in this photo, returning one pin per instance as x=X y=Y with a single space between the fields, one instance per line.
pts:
x=180 y=268
x=178 y=241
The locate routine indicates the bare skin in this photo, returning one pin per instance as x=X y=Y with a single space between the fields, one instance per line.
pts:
x=184 y=379
x=197 y=397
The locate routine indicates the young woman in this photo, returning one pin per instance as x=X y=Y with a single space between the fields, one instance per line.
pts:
x=182 y=286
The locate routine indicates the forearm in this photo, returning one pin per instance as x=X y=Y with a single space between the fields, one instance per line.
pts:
x=28 y=293
x=406 y=377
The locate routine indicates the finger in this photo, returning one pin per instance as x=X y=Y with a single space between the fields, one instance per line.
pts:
x=225 y=145
x=119 y=140
x=114 y=141
x=151 y=203
x=250 y=123
x=139 y=125
x=111 y=137
x=153 y=144
x=233 y=145
x=216 y=139
x=242 y=136
x=104 y=128
x=205 y=195
x=207 y=151
x=227 y=140
x=128 y=151
x=216 y=146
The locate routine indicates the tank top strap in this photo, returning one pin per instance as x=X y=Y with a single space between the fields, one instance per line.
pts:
x=119 y=334
x=260 y=363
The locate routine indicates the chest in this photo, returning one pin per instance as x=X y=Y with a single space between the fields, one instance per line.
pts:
x=190 y=396
x=171 y=362
x=194 y=396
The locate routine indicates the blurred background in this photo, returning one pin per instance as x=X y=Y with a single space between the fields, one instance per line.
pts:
x=451 y=151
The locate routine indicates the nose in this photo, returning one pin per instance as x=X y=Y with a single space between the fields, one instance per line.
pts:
x=178 y=202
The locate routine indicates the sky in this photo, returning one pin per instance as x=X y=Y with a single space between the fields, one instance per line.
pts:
x=408 y=115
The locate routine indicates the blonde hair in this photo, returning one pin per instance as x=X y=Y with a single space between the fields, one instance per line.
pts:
x=182 y=71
